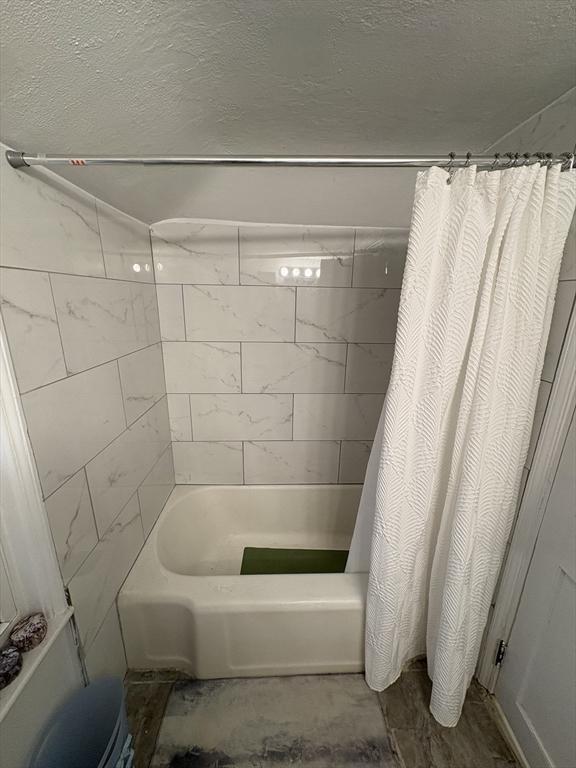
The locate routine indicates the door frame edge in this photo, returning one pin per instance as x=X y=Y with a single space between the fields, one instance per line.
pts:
x=533 y=506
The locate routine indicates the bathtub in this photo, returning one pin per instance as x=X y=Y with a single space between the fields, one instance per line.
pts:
x=185 y=605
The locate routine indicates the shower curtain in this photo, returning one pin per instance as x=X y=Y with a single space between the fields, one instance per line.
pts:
x=443 y=477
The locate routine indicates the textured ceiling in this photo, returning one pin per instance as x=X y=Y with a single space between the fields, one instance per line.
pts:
x=271 y=76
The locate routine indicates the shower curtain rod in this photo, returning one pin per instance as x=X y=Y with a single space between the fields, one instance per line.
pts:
x=23 y=160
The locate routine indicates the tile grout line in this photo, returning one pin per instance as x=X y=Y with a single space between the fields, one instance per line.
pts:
x=57 y=272
x=183 y=306
x=45 y=498
x=97 y=214
x=66 y=368
x=122 y=394
x=91 y=368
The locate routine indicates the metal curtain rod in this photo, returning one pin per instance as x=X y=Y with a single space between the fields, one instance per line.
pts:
x=23 y=160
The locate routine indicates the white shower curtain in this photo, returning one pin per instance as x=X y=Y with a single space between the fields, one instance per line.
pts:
x=443 y=478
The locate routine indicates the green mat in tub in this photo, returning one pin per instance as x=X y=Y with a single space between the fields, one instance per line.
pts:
x=276 y=560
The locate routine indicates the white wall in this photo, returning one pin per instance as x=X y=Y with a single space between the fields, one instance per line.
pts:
x=273 y=77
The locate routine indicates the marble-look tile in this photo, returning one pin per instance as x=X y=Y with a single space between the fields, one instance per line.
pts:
x=95 y=585
x=47 y=223
x=336 y=417
x=103 y=319
x=241 y=417
x=155 y=489
x=171 y=312
x=116 y=472
x=422 y=743
x=142 y=378
x=568 y=267
x=70 y=420
x=206 y=463
x=125 y=245
x=379 y=257
x=560 y=318
x=315 y=721
x=285 y=367
x=239 y=313
x=354 y=456
x=105 y=656
x=541 y=403
x=188 y=252
x=368 y=367
x=275 y=255
x=347 y=314
x=180 y=420
x=71 y=519
x=31 y=326
x=202 y=366
x=293 y=461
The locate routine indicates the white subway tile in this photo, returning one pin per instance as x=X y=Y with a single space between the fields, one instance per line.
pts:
x=69 y=511
x=197 y=366
x=31 y=327
x=336 y=417
x=379 y=258
x=94 y=587
x=347 y=314
x=142 y=378
x=368 y=367
x=180 y=421
x=241 y=417
x=354 y=456
x=208 y=463
x=560 y=318
x=279 y=462
x=70 y=420
x=239 y=313
x=274 y=255
x=115 y=474
x=47 y=223
x=187 y=252
x=103 y=319
x=285 y=367
x=171 y=312
x=125 y=245
x=155 y=489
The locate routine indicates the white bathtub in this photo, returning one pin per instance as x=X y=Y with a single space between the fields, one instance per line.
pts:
x=185 y=606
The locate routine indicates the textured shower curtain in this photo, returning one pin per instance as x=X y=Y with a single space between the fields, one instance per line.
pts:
x=443 y=478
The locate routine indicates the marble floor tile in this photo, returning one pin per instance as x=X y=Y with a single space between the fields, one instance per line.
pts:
x=421 y=742
x=313 y=721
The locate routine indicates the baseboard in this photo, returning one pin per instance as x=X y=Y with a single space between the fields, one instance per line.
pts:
x=508 y=733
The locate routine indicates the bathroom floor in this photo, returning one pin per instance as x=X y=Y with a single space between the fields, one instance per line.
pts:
x=317 y=721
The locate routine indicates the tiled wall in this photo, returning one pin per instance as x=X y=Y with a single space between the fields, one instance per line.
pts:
x=80 y=312
x=278 y=346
